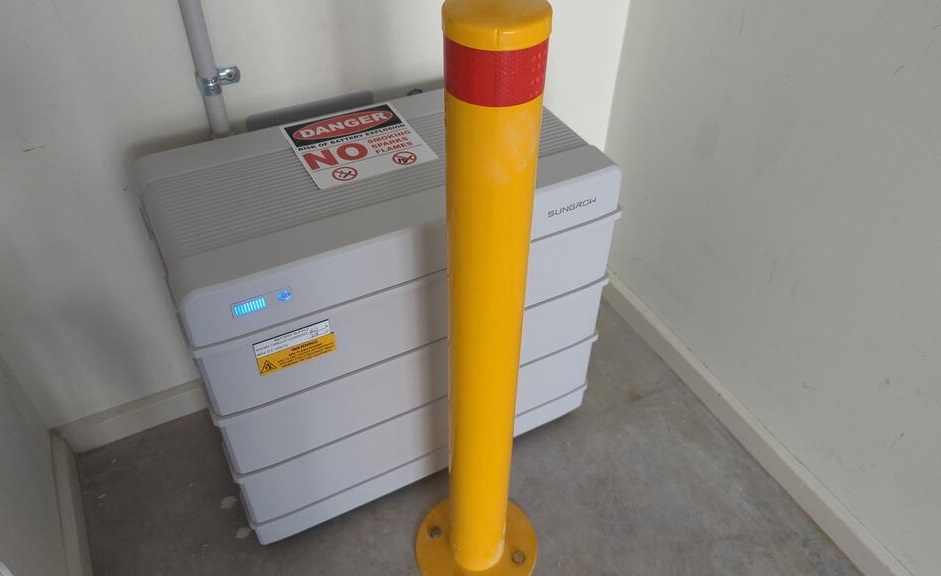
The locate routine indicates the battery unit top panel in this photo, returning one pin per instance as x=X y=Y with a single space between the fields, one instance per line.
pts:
x=214 y=202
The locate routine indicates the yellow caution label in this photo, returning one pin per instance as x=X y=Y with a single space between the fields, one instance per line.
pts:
x=294 y=347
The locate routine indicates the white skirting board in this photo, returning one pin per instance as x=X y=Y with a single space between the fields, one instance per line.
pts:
x=868 y=553
x=128 y=419
x=71 y=515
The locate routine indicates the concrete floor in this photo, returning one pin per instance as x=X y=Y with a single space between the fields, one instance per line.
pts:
x=641 y=480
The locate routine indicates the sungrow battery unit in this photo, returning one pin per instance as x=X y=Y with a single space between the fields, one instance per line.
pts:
x=308 y=267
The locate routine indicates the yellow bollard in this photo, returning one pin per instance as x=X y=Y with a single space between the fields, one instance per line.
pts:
x=495 y=62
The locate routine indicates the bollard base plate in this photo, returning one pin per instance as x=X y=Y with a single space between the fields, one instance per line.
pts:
x=433 y=550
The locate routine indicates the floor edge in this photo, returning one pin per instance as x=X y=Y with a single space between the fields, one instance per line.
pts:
x=71 y=512
x=111 y=425
x=855 y=540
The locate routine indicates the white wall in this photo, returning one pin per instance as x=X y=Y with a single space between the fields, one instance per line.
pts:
x=30 y=537
x=782 y=193
x=89 y=85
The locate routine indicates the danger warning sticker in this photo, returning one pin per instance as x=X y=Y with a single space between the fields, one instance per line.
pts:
x=354 y=145
x=294 y=347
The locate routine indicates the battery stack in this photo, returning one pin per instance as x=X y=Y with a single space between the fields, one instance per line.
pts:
x=358 y=273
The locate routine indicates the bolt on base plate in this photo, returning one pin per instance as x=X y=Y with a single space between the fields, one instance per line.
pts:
x=433 y=549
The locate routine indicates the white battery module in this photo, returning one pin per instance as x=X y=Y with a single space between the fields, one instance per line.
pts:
x=308 y=267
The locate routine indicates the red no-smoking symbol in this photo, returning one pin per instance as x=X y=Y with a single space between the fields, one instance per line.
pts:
x=345 y=173
x=404 y=158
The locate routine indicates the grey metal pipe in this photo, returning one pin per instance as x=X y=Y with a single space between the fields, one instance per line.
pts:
x=198 y=35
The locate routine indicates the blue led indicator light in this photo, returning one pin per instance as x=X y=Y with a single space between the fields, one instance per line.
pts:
x=249 y=306
x=284 y=295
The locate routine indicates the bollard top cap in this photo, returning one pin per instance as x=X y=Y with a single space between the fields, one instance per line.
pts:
x=497 y=25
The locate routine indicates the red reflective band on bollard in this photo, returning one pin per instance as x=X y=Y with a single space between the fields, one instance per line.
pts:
x=492 y=78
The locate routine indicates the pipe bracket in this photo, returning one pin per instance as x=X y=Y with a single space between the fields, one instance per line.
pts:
x=224 y=76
